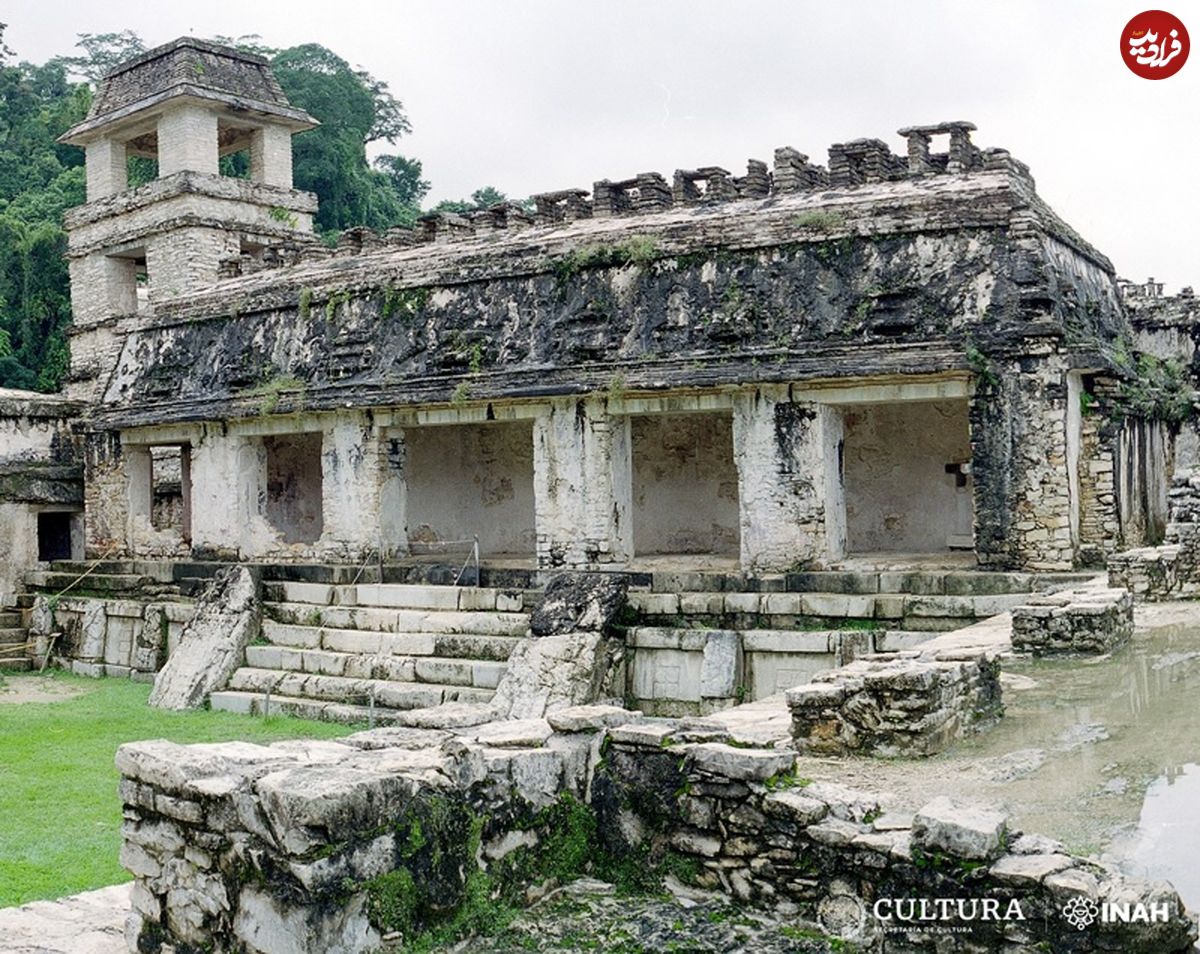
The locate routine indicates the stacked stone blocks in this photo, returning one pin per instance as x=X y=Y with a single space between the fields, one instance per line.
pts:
x=271 y=848
x=895 y=704
x=1172 y=569
x=1084 y=621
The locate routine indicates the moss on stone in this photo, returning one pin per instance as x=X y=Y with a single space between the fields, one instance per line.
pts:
x=271 y=390
x=335 y=301
x=407 y=304
x=820 y=220
x=640 y=250
x=1156 y=390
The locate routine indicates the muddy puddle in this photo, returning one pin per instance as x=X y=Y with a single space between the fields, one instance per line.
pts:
x=1102 y=754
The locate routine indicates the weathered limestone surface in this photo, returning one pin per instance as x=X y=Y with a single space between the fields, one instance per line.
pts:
x=1171 y=570
x=1085 y=621
x=108 y=637
x=973 y=832
x=551 y=672
x=579 y=602
x=212 y=645
x=88 y=923
x=892 y=704
x=250 y=847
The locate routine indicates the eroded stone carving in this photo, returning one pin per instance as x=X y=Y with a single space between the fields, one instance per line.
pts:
x=212 y=644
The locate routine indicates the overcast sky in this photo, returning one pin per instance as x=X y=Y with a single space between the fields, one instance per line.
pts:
x=535 y=95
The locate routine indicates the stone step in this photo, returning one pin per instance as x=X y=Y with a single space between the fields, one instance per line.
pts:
x=388 y=693
x=385 y=619
x=254 y=703
x=397 y=596
x=439 y=670
x=894 y=640
x=951 y=582
x=878 y=606
x=16 y=663
x=450 y=645
x=819 y=641
x=10 y=619
x=13 y=633
x=94 y=582
x=76 y=567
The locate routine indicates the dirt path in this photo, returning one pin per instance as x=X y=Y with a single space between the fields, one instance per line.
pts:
x=15 y=689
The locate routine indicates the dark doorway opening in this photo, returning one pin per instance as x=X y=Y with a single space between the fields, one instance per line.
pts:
x=54 y=536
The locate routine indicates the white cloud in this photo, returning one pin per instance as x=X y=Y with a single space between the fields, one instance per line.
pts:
x=532 y=95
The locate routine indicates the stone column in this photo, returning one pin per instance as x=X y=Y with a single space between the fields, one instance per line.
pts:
x=582 y=485
x=187 y=140
x=187 y=260
x=782 y=450
x=1019 y=465
x=107 y=169
x=229 y=487
x=350 y=487
x=105 y=497
x=271 y=156
x=393 y=494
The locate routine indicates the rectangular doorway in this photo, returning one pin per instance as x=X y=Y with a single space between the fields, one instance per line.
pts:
x=906 y=470
x=685 y=485
x=470 y=480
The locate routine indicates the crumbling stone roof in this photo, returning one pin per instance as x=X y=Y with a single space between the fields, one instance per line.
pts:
x=878 y=266
x=187 y=67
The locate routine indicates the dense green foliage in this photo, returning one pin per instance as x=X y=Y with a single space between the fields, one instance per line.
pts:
x=40 y=179
x=60 y=819
x=1157 y=390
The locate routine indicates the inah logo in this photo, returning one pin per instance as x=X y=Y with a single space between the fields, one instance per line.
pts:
x=1155 y=44
x=1080 y=912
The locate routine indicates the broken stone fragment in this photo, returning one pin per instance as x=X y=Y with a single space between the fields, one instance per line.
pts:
x=576 y=602
x=1020 y=869
x=213 y=644
x=968 y=831
x=553 y=672
x=514 y=733
x=590 y=718
x=795 y=805
x=716 y=758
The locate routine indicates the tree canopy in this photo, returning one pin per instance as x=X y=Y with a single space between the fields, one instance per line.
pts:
x=40 y=179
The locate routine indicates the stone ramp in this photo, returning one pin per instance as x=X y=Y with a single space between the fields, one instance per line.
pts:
x=354 y=653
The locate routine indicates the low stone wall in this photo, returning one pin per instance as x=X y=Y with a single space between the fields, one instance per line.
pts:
x=1083 y=621
x=1170 y=571
x=107 y=637
x=676 y=671
x=891 y=704
x=343 y=846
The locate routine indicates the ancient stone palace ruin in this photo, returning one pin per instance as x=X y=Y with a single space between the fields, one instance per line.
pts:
x=548 y=491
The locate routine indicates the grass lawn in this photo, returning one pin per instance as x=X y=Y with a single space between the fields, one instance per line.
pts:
x=60 y=817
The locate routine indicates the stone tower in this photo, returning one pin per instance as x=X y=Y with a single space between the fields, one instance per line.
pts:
x=185 y=104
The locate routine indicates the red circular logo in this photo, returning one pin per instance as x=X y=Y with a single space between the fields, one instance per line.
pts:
x=1155 y=44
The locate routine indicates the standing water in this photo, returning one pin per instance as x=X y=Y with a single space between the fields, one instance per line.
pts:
x=1101 y=753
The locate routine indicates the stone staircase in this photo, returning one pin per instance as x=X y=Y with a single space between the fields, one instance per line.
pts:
x=354 y=653
x=13 y=638
x=704 y=641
